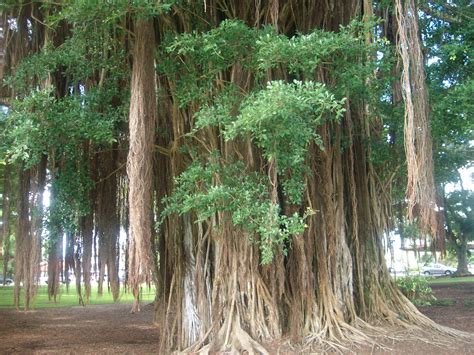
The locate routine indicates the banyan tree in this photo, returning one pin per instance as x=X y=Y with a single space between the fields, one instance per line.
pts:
x=234 y=142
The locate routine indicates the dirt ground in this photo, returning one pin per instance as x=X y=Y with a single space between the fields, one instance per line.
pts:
x=460 y=315
x=111 y=329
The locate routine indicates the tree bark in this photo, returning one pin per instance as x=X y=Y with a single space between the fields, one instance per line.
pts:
x=22 y=239
x=461 y=254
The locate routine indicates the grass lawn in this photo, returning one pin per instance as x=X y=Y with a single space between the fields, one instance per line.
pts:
x=450 y=280
x=69 y=298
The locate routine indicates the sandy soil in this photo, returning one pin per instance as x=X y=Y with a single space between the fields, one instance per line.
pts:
x=111 y=329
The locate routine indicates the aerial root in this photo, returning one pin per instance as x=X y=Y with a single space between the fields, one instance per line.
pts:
x=232 y=339
x=342 y=338
x=420 y=329
x=346 y=339
x=442 y=337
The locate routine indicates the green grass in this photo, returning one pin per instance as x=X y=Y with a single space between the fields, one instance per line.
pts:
x=443 y=302
x=69 y=299
x=450 y=280
x=469 y=303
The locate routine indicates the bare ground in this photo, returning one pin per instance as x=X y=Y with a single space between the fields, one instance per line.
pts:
x=111 y=329
x=100 y=329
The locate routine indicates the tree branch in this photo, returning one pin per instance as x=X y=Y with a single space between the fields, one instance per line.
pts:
x=438 y=14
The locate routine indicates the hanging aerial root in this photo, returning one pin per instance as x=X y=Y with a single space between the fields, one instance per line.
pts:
x=421 y=194
x=139 y=163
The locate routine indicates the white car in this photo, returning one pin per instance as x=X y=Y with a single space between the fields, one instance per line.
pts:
x=437 y=269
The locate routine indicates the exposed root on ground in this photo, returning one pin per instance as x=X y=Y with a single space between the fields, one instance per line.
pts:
x=340 y=338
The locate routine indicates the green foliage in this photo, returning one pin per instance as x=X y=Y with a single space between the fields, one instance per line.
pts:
x=459 y=208
x=208 y=188
x=460 y=219
x=427 y=259
x=22 y=131
x=71 y=201
x=87 y=102
x=340 y=54
x=450 y=73
x=40 y=123
x=450 y=258
x=304 y=53
x=197 y=58
x=412 y=231
x=416 y=289
x=469 y=303
x=84 y=12
x=282 y=120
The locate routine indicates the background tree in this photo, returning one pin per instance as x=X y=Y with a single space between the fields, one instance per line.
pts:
x=460 y=225
x=448 y=37
x=76 y=107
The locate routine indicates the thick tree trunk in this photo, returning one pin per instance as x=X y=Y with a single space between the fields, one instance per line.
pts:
x=458 y=242
x=461 y=254
x=28 y=239
x=140 y=164
x=22 y=245
x=36 y=201
x=316 y=301
x=334 y=278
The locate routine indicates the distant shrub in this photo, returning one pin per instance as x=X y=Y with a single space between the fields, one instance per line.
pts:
x=469 y=303
x=416 y=289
